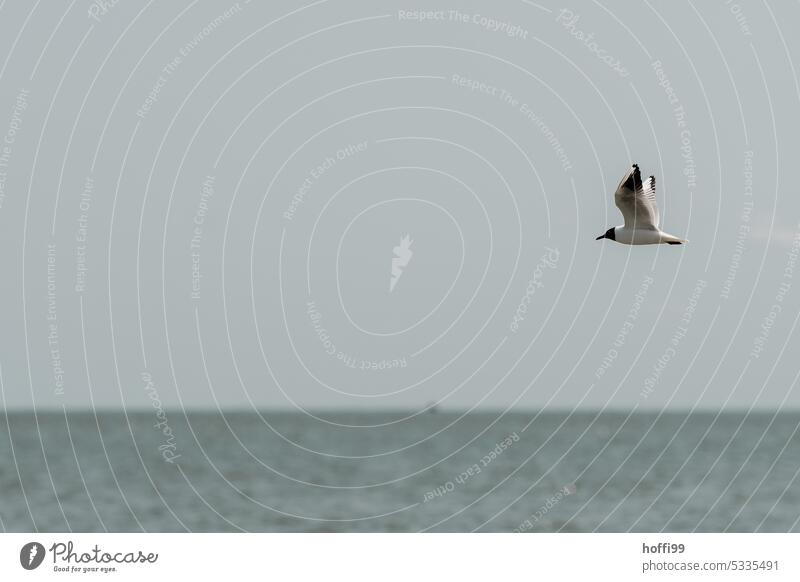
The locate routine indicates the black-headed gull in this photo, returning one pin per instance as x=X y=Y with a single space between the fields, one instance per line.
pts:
x=637 y=202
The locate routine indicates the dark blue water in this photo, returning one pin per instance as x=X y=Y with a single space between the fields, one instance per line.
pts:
x=377 y=472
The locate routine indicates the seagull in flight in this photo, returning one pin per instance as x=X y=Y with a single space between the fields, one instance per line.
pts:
x=637 y=202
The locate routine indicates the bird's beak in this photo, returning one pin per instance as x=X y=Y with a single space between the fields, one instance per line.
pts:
x=602 y=236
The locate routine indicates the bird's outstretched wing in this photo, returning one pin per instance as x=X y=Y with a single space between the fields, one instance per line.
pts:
x=637 y=200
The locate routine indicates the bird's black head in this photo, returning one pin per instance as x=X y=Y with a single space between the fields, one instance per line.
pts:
x=609 y=234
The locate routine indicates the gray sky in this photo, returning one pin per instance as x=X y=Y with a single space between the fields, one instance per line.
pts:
x=211 y=194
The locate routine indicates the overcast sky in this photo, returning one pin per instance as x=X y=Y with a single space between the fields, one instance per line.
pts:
x=365 y=205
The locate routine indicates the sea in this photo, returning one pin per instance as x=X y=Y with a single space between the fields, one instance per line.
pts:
x=399 y=472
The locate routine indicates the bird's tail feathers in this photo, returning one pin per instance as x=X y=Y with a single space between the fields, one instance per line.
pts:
x=673 y=240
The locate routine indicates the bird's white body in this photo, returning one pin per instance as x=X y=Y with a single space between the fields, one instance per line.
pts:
x=636 y=201
x=643 y=236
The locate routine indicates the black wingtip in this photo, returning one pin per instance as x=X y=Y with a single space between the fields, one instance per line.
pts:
x=674 y=243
